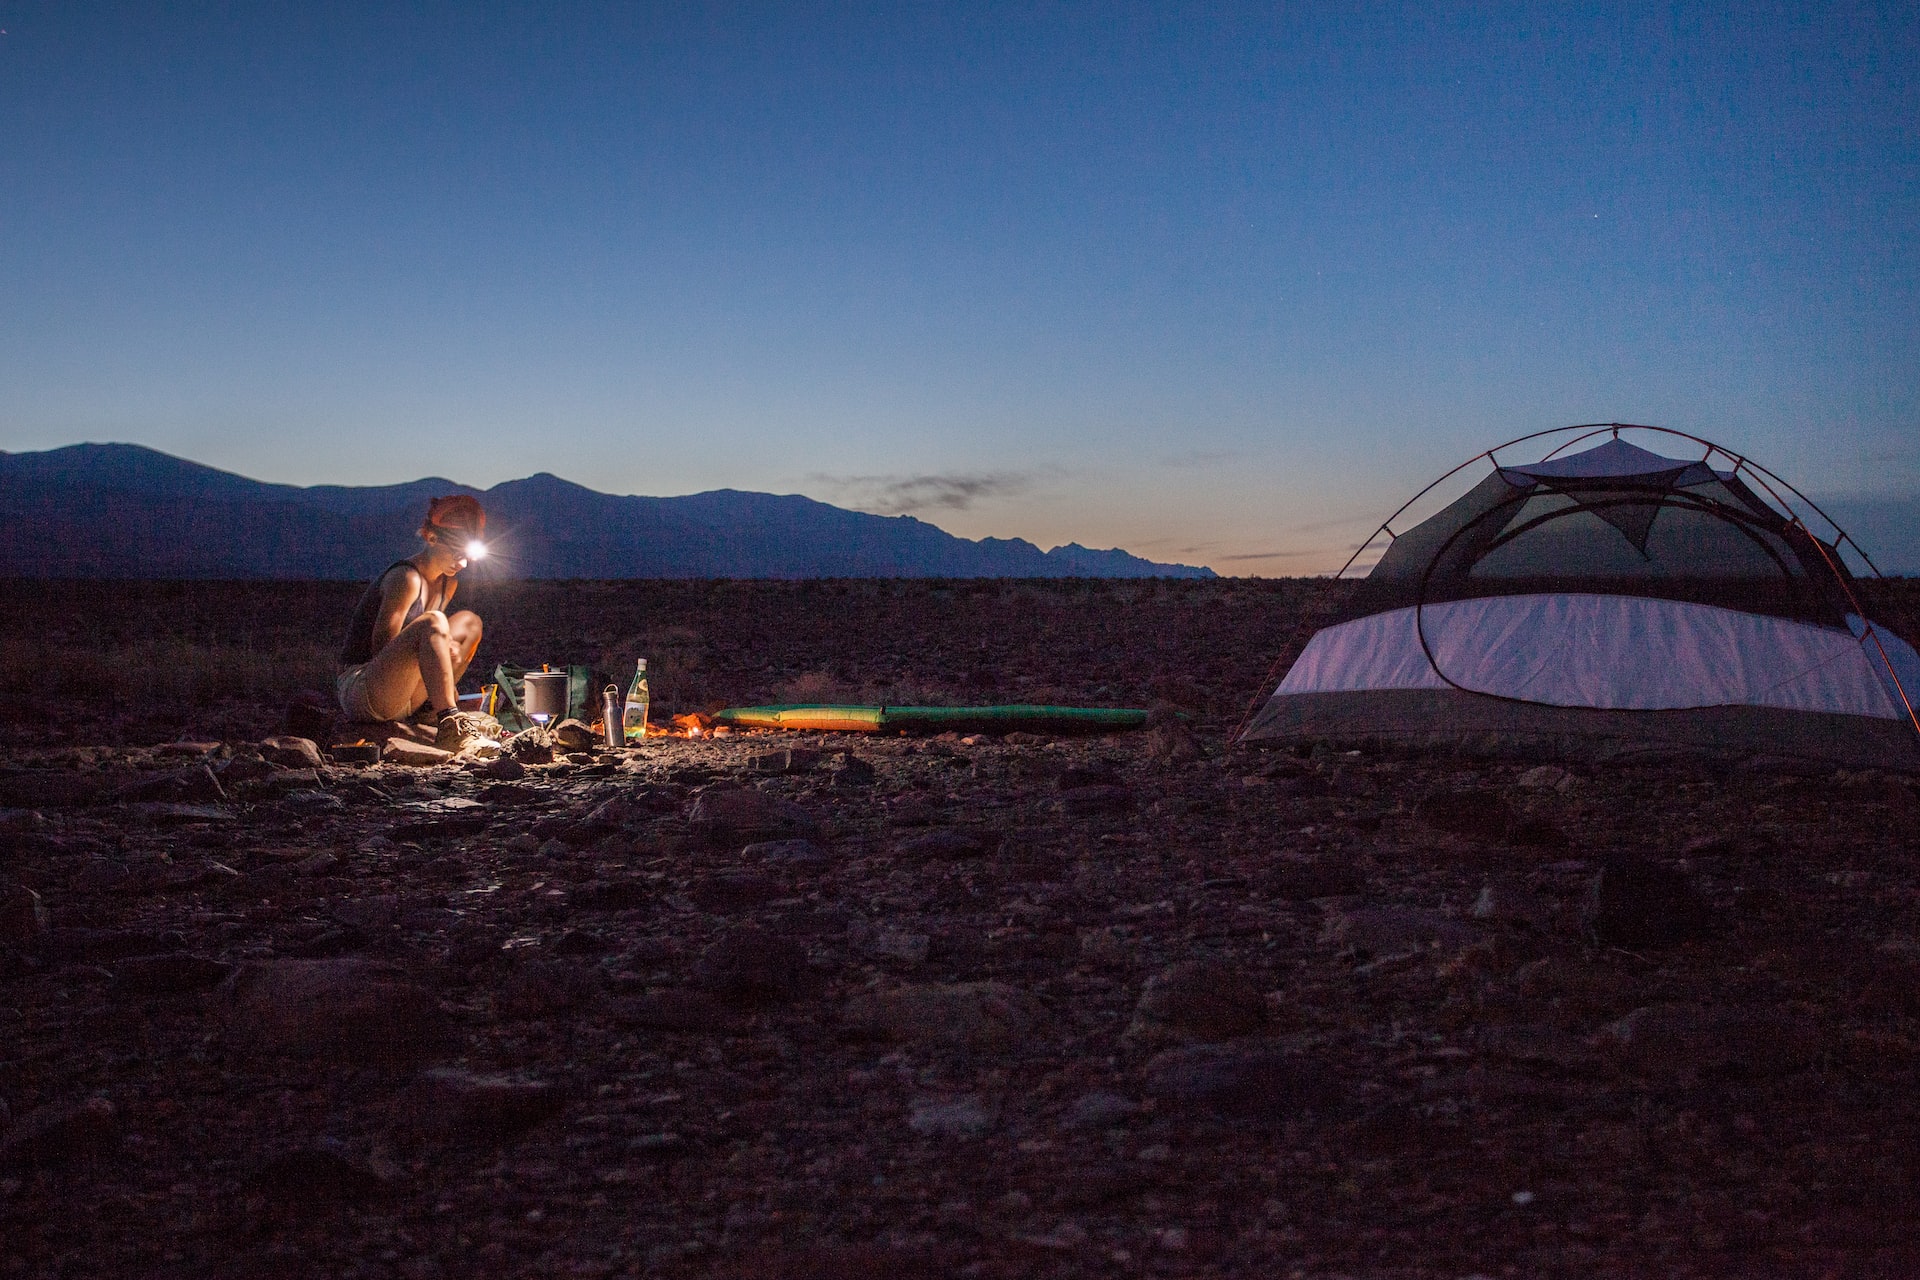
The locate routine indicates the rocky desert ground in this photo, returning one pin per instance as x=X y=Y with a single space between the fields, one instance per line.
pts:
x=837 y=1005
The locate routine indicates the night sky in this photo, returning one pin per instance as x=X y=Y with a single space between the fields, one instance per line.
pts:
x=1215 y=283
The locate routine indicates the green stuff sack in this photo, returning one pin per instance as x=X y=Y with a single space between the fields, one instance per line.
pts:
x=511 y=709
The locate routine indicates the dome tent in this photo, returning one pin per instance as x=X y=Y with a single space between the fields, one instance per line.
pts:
x=1610 y=598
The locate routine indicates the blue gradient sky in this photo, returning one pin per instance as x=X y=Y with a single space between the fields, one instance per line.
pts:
x=1216 y=283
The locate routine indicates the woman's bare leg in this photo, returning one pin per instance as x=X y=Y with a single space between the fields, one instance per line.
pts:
x=465 y=628
x=416 y=666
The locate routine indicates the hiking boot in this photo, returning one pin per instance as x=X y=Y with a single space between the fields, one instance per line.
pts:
x=463 y=727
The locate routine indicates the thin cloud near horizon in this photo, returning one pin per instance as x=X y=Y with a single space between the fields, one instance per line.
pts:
x=904 y=495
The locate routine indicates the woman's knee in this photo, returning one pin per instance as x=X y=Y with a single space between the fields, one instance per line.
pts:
x=433 y=622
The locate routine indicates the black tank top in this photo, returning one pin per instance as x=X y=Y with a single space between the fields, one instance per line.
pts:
x=359 y=646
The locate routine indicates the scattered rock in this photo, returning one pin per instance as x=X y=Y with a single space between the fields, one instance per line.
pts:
x=1169 y=740
x=790 y=853
x=1374 y=933
x=1687 y=1041
x=1511 y=904
x=503 y=769
x=1243 y=1081
x=575 y=735
x=168 y=974
x=967 y=1116
x=471 y=1106
x=325 y=1173
x=1545 y=777
x=849 y=770
x=1303 y=881
x=734 y=890
x=1200 y=1000
x=343 y=1009
x=671 y=1009
x=23 y=916
x=292 y=752
x=738 y=815
x=785 y=760
x=1100 y=1109
x=751 y=966
x=884 y=943
x=945 y=843
x=1082 y=802
x=194 y=785
x=1635 y=904
x=59 y=1132
x=415 y=754
x=967 y=1015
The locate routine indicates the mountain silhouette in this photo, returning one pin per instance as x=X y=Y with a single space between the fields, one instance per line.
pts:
x=125 y=511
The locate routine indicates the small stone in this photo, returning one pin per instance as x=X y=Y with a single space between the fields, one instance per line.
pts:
x=750 y=966
x=786 y=760
x=670 y=1009
x=574 y=735
x=1545 y=777
x=194 y=785
x=1634 y=903
x=415 y=754
x=1304 y=881
x=1478 y=814
x=1374 y=933
x=734 y=890
x=292 y=752
x=23 y=916
x=963 y=1117
x=476 y=1106
x=1511 y=904
x=504 y=769
x=1099 y=1110
x=851 y=771
x=967 y=1015
x=1688 y=1041
x=791 y=853
x=895 y=944
x=737 y=815
x=1081 y=802
x=59 y=1132
x=1104 y=946
x=1201 y=1000
x=1169 y=740
x=1250 y=1081
x=326 y=1172
x=942 y=845
x=341 y=1009
x=168 y=974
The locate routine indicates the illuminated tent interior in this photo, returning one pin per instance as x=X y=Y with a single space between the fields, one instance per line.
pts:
x=1605 y=601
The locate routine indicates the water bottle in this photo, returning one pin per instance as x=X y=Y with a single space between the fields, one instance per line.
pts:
x=637 y=700
x=612 y=719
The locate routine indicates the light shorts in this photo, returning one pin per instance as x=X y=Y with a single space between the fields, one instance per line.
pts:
x=351 y=688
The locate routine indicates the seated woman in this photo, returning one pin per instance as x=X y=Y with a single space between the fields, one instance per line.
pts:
x=404 y=650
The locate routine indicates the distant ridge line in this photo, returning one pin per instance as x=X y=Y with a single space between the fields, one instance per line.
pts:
x=126 y=511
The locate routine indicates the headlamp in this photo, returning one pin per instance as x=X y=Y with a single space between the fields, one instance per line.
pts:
x=476 y=550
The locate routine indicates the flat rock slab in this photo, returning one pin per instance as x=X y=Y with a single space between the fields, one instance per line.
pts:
x=344 y=1010
x=724 y=815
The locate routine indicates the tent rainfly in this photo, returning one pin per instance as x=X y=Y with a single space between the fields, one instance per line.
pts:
x=1606 y=601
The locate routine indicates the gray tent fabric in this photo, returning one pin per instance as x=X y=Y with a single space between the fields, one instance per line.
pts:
x=1590 y=602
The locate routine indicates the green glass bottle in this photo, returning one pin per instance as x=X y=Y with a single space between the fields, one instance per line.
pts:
x=637 y=700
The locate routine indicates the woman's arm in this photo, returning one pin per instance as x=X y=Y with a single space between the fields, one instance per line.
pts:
x=398 y=591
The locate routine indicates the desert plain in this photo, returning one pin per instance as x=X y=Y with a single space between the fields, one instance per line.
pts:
x=841 y=1005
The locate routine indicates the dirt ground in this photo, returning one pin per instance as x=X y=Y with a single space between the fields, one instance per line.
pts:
x=836 y=1005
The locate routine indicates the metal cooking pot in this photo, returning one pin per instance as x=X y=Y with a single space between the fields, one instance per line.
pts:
x=546 y=699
